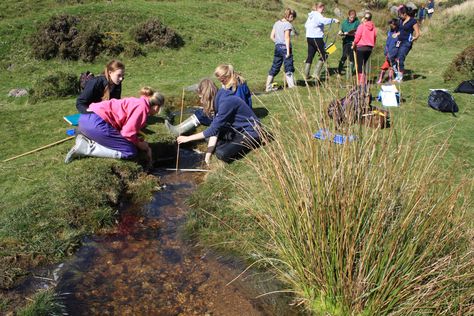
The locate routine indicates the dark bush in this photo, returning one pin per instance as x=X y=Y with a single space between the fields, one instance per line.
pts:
x=112 y=43
x=132 y=49
x=156 y=33
x=55 y=85
x=462 y=66
x=55 y=37
x=89 y=43
x=61 y=37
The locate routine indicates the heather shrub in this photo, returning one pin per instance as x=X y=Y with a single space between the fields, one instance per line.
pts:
x=62 y=37
x=462 y=66
x=156 y=33
x=132 y=49
x=55 y=37
x=112 y=44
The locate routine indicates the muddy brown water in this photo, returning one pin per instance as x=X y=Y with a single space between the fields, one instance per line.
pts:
x=144 y=267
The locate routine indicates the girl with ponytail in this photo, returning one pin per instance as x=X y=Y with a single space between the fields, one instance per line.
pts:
x=105 y=87
x=111 y=127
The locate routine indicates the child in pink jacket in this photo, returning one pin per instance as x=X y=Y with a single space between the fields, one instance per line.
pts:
x=110 y=128
x=364 y=42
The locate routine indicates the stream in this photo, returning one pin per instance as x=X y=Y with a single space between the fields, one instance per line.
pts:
x=144 y=267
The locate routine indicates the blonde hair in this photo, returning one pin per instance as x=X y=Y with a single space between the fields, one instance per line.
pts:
x=110 y=67
x=155 y=98
x=288 y=12
x=207 y=90
x=226 y=74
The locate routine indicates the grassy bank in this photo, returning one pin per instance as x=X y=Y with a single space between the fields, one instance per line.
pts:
x=381 y=226
x=47 y=206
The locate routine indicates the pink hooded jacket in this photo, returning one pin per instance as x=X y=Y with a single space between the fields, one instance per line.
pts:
x=127 y=115
x=366 y=34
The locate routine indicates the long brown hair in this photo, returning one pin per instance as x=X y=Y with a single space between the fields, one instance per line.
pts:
x=226 y=73
x=207 y=90
x=111 y=66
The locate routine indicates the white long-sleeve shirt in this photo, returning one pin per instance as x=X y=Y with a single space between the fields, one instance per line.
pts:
x=315 y=24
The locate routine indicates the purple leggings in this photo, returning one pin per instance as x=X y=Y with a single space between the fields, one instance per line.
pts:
x=95 y=128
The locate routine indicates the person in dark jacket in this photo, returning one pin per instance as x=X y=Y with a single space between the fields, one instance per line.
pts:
x=408 y=33
x=230 y=80
x=105 y=87
x=234 y=129
x=390 y=51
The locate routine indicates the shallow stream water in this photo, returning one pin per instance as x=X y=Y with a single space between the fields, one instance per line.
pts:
x=144 y=267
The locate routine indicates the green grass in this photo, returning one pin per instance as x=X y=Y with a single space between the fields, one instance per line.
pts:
x=47 y=206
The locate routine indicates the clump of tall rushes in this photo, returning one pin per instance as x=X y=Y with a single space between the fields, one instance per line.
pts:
x=372 y=227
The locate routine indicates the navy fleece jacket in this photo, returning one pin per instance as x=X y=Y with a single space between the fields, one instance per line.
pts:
x=93 y=92
x=232 y=112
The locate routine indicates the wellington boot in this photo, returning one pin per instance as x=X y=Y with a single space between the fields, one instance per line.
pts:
x=86 y=147
x=268 y=85
x=317 y=70
x=340 y=68
x=187 y=125
x=361 y=79
x=307 y=68
x=290 y=80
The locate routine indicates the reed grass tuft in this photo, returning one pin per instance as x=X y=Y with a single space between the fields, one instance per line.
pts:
x=371 y=227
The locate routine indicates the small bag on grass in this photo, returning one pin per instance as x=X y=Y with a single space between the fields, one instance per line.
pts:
x=376 y=118
x=442 y=101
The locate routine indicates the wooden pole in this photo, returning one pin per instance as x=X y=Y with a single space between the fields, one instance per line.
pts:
x=41 y=148
x=180 y=121
x=356 y=66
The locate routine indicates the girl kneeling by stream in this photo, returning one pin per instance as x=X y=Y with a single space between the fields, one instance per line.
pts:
x=110 y=128
x=234 y=129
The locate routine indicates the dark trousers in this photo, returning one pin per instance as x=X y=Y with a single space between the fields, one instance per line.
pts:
x=363 y=55
x=232 y=145
x=279 y=57
x=315 y=45
x=347 y=51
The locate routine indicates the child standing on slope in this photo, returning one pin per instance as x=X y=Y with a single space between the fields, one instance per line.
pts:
x=283 y=54
x=390 y=51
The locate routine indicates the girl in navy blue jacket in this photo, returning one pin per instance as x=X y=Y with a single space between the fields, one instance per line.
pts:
x=234 y=129
x=390 y=51
x=105 y=87
x=230 y=80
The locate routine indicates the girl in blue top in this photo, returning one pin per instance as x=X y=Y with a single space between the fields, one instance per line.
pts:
x=408 y=32
x=282 y=54
x=230 y=80
x=234 y=129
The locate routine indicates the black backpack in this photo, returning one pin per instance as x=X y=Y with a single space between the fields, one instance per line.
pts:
x=466 y=87
x=442 y=101
x=85 y=76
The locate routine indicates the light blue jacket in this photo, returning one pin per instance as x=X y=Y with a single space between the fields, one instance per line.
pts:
x=315 y=24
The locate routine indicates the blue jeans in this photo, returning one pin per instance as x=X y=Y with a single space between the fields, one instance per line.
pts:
x=279 y=57
x=402 y=53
